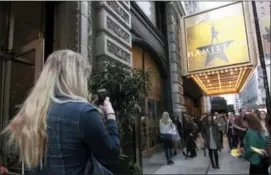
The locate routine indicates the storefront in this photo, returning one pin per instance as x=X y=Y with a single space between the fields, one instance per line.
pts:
x=152 y=104
x=22 y=53
x=21 y=61
x=29 y=32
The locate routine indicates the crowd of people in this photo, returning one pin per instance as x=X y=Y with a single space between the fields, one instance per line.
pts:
x=59 y=131
x=245 y=131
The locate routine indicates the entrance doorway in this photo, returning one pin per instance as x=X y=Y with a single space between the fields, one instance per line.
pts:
x=24 y=69
x=21 y=64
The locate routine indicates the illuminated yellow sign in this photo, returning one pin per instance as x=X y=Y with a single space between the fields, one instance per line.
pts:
x=219 y=48
x=216 y=38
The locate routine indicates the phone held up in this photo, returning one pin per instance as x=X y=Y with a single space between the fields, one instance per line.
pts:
x=102 y=94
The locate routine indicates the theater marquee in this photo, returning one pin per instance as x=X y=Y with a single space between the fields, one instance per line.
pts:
x=219 y=48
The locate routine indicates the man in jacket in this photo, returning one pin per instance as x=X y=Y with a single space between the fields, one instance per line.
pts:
x=239 y=128
x=221 y=126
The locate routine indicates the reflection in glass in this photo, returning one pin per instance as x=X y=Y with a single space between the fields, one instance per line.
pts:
x=21 y=81
x=148 y=7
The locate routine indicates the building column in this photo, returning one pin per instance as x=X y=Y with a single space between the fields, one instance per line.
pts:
x=113 y=39
x=173 y=14
x=74 y=27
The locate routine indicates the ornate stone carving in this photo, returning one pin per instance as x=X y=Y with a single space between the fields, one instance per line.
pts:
x=89 y=31
x=114 y=27
x=72 y=11
x=126 y=4
x=125 y=16
x=118 y=52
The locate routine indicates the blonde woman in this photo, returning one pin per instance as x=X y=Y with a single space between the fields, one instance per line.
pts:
x=167 y=131
x=57 y=130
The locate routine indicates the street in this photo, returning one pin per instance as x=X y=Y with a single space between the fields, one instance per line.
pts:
x=198 y=165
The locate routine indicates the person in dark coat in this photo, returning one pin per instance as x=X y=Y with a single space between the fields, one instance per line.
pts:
x=179 y=130
x=191 y=138
x=231 y=135
x=212 y=141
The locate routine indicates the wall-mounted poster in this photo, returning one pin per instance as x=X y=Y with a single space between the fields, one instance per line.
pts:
x=216 y=38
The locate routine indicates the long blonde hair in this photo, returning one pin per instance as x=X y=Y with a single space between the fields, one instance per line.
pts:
x=165 y=118
x=66 y=73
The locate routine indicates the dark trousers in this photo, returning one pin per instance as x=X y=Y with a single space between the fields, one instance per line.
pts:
x=168 y=146
x=193 y=153
x=213 y=153
x=258 y=169
x=221 y=138
x=241 y=136
x=233 y=140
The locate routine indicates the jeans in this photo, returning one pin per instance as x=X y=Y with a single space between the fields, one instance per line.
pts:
x=241 y=136
x=168 y=145
x=213 y=154
x=233 y=141
x=221 y=139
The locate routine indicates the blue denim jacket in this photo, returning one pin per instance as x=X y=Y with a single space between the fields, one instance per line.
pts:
x=74 y=131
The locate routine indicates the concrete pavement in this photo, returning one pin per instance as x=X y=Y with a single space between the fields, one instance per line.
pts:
x=230 y=165
x=199 y=165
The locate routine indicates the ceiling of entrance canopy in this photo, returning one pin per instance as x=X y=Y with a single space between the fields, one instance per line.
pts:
x=225 y=81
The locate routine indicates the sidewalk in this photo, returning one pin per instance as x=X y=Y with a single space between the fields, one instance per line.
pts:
x=153 y=163
x=198 y=165
x=230 y=165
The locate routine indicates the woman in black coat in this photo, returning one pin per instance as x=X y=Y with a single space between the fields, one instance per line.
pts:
x=191 y=137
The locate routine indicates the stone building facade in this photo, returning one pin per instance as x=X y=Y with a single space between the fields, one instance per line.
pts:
x=136 y=35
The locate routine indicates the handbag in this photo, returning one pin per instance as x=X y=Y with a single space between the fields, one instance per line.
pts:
x=94 y=167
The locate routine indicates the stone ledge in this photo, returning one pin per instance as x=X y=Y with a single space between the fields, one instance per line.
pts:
x=108 y=23
x=126 y=4
x=106 y=46
x=118 y=11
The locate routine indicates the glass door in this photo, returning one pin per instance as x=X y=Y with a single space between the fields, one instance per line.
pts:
x=23 y=70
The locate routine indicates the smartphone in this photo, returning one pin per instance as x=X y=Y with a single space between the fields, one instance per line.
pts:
x=102 y=94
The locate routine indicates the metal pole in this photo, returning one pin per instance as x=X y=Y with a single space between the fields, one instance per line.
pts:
x=262 y=59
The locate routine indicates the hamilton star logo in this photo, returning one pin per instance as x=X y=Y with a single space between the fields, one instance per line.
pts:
x=215 y=50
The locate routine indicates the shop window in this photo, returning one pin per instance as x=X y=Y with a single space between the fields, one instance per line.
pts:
x=148 y=7
x=156 y=13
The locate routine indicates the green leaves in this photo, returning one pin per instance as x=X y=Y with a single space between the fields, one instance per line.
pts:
x=125 y=87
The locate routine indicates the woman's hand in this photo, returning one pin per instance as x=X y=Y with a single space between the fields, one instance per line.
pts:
x=263 y=152
x=108 y=109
